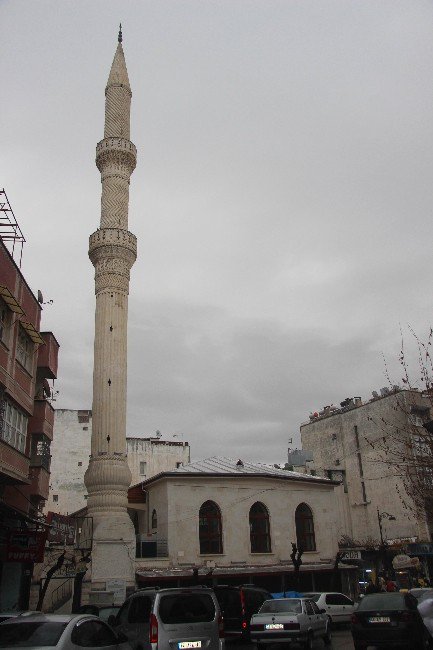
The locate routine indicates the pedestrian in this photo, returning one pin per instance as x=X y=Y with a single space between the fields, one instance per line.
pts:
x=390 y=585
x=371 y=588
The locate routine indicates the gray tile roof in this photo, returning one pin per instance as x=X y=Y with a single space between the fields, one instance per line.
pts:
x=223 y=465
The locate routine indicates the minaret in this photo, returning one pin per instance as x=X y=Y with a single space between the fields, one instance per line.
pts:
x=112 y=251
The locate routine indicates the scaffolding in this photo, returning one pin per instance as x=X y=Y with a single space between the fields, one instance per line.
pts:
x=10 y=232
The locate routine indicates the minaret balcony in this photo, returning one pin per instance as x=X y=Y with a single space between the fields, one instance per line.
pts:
x=116 y=151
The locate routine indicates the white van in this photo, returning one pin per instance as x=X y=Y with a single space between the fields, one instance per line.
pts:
x=171 y=619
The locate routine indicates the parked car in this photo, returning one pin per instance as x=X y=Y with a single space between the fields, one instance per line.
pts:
x=59 y=632
x=4 y=616
x=287 y=620
x=158 y=619
x=388 y=619
x=421 y=593
x=102 y=611
x=338 y=607
x=238 y=604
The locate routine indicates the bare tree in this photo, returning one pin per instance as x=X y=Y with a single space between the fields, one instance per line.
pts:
x=404 y=442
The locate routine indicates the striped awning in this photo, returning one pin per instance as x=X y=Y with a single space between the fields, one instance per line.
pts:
x=8 y=298
x=32 y=332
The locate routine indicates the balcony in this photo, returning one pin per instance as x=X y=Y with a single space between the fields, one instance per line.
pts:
x=14 y=466
x=151 y=547
x=39 y=483
x=48 y=356
x=42 y=420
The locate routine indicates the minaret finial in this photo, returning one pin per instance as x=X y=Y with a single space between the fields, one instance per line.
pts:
x=119 y=38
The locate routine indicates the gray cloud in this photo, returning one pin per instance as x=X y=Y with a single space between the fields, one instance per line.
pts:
x=281 y=201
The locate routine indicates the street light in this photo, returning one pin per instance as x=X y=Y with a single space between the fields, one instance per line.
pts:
x=380 y=516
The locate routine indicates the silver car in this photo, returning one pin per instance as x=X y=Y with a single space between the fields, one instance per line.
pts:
x=59 y=632
x=286 y=620
x=175 y=619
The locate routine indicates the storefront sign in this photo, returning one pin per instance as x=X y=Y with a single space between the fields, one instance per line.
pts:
x=62 y=529
x=420 y=549
x=350 y=554
x=405 y=562
x=25 y=546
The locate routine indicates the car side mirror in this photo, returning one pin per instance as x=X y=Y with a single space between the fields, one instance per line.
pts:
x=112 y=620
x=323 y=611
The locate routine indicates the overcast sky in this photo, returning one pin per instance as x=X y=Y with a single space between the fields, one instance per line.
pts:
x=282 y=201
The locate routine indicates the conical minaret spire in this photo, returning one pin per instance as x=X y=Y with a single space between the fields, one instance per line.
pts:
x=112 y=251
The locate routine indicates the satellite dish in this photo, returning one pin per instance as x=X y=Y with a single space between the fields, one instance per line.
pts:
x=40 y=297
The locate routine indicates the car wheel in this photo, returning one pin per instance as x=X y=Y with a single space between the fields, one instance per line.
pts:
x=328 y=634
x=309 y=643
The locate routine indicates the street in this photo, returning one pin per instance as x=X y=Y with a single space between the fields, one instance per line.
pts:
x=341 y=640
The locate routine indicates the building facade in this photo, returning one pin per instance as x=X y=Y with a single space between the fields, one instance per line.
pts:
x=71 y=450
x=28 y=359
x=232 y=522
x=352 y=444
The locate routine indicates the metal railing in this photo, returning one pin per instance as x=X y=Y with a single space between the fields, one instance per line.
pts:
x=61 y=594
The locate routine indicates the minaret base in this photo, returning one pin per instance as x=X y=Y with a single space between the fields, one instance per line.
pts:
x=113 y=558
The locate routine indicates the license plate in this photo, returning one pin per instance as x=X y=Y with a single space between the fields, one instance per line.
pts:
x=274 y=626
x=189 y=644
x=379 y=619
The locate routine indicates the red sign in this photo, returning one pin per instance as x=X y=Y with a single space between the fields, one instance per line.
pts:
x=62 y=529
x=25 y=546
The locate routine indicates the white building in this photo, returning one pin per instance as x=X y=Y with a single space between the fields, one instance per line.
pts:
x=70 y=452
x=351 y=444
x=236 y=520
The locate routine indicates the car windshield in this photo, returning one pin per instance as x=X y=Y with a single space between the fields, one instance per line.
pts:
x=383 y=601
x=314 y=597
x=28 y=635
x=105 y=612
x=292 y=605
x=187 y=608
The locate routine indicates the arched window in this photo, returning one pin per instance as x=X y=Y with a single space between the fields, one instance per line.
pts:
x=210 y=528
x=305 y=528
x=154 y=520
x=259 y=529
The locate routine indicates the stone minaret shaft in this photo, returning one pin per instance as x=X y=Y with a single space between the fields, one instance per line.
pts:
x=112 y=251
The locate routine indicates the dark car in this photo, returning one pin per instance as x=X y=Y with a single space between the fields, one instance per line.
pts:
x=102 y=611
x=388 y=619
x=238 y=604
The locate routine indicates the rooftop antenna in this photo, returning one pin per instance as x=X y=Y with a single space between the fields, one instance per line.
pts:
x=41 y=299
